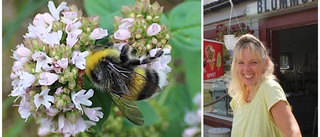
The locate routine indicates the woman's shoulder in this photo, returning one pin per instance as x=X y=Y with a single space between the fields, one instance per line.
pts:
x=268 y=83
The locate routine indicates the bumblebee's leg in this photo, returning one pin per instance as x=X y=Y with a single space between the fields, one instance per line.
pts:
x=150 y=59
x=109 y=44
x=124 y=56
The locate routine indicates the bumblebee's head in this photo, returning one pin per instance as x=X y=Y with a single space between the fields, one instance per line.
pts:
x=97 y=54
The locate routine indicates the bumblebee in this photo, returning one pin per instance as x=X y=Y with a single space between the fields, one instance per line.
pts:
x=122 y=76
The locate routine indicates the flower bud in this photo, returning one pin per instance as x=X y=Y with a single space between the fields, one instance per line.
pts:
x=32 y=108
x=148 y=47
x=65 y=97
x=71 y=117
x=156 y=19
x=132 y=15
x=72 y=84
x=60 y=104
x=149 y=18
x=139 y=16
x=74 y=71
x=32 y=93
x=126 y=10
x=138 y=36
x=167 y=46
x=154 y=40
x=66 y=90
x=62 y=80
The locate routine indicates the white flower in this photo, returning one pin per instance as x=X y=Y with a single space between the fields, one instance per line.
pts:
x=126 y=23
x=47 y=78
x=38 y=32
x=80 y=125
x=78 y=58
x=63 y=63
x=43 y=61
x=191 y=118
x=66 y=127
x=22 y=54
x=20 y=85
x=197 y=99
x=98 y=33
x=27 y=79
x=153 y=29
x=43 y=20
x=42 y=132
x=199 y=113
x=89 y=123
x=24 y=108
x=42 y=25
x=47 y=123
x=74 y=27
x=162 y=62
x=43 y=98
x=93 y=113
x=69 y=17
x=82 y=98
x=72 y=38
x=190 y=132
x=122 y=34
x=55 y=12
x=53 y=38
x=60 y=64
x=17 y=66
x=52 y=111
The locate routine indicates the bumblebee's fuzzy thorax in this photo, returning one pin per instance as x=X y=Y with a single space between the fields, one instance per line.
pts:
x=95 y=57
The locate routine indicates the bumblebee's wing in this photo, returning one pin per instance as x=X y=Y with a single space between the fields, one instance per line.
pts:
x=136 y=84
x=128 y=108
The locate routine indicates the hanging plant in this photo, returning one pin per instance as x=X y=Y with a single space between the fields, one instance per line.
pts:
x=237 y=31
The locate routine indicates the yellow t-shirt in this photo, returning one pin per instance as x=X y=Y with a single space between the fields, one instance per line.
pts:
x=254 y=119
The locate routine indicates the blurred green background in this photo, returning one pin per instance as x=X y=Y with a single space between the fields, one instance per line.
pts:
x=183 y=17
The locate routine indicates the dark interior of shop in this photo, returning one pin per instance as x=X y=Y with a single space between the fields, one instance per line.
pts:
x=299 y=72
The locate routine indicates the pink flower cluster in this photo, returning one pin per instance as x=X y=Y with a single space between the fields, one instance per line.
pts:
x=140 y=26
x=47 y=67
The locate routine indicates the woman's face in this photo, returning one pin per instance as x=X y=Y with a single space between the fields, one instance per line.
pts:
x=249 y=69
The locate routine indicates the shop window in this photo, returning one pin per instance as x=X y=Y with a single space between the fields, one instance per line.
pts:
x=286 y=62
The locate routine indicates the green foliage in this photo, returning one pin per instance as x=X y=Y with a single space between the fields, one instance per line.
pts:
x=105 y=10
x=164 y=114
x=185 y=26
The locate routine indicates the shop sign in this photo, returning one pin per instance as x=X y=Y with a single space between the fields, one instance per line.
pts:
x=269 y=5
x=213 y=59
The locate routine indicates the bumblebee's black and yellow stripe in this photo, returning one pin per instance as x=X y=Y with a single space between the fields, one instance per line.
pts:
x=121 y=76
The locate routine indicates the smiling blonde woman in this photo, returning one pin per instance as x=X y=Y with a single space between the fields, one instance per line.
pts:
x=258 y=101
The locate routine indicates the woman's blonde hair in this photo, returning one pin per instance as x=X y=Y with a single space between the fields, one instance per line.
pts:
x=237 y=89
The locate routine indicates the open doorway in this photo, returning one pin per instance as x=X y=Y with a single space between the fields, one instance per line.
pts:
x=295 y=53
x=298 y=59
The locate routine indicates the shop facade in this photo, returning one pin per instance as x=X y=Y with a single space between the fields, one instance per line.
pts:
x=289 y=29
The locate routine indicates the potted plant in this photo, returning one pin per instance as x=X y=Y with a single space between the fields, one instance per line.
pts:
x=230 y=38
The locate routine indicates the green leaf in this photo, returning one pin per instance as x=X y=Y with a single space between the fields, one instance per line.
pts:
x=179 y=102
x=18 y=125
x=99 y=99
x=150 y=115
x=185 y=25
x=106 y=10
